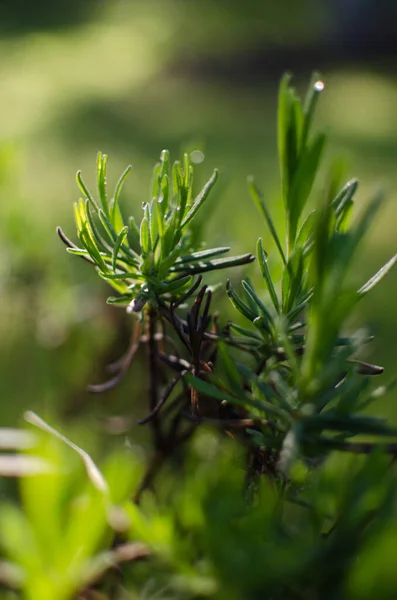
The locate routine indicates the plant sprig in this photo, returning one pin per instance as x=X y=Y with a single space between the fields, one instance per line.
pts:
x=165 y=261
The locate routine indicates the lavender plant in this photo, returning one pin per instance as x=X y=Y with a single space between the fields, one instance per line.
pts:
x=269 y=477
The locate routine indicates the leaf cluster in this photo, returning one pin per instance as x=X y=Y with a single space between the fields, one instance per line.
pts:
x=153 y=259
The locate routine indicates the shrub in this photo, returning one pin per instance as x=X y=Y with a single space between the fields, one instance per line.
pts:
x=268 y=476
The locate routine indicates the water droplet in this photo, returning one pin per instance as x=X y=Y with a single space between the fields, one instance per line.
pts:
x=197 y=157
x=319 y=86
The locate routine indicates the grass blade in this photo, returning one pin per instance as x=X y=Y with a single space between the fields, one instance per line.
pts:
x=94 y=474
x=260 y=204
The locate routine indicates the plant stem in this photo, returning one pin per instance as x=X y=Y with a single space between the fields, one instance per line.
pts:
x=153 y=380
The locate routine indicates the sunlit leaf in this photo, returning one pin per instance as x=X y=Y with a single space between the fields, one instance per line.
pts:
x=93 y=472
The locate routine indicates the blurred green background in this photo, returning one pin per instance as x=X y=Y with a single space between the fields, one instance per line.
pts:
x=130 y=78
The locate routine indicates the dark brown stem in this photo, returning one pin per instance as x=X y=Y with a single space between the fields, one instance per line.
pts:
x=122 y=364
x=162 y=400
x=153 y=379
x=228 y=423
x=155 y=465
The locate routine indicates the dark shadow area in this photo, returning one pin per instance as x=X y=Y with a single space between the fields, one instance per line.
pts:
x=18 y=17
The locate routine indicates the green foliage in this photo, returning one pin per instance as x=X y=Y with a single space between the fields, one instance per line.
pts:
x=58 y=539
x=290 y=498
x=154 y=259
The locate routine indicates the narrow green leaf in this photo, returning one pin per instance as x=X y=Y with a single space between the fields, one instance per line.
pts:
x=245 y=332
x=116 y=195
x=153 y=221
x=229 y=367
x=102 y=183
x=343 y=205
x=303 y=303
x=292 y=279
x=358 y=425
x=186 y=168
x=177 y=183
x=217 y=263
x=195 y=256
x=280 y=402
x=171 y=233
x=260 y=204
x=134 y=230
x=77 y=252
x=262 y=257
x=94 y=474
x=105 y=257
x=303 y=180
x=174 y=285
x=86 y=240
x=315 y=88
x=164 y=164
x=145 y=236
x=259 y=388
x=156 y=180
x=283 y=126
x=108 y=227
x=344 y=196
x=130 y=256
x=200 y=199
x=375 y=279
x=123 y=299
x=366 y=220
x=248 y=298
x=297 y=116
x=343 y=220
x=121 y=276
x=305 y=233
x=239 y=304
x=209 y=389
x=281 y=326
x=157 y=213
x=120 y=284
x=190 y=186
x=292 y=143
x=86 y=236
x=78 y=215
x=116 y=248
x=164 y=197
x=254 y=343
x=85 y=190
x=100 y=242
x=168 y=262
x=262 y=308
x=183 y=187
x=177 y=178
